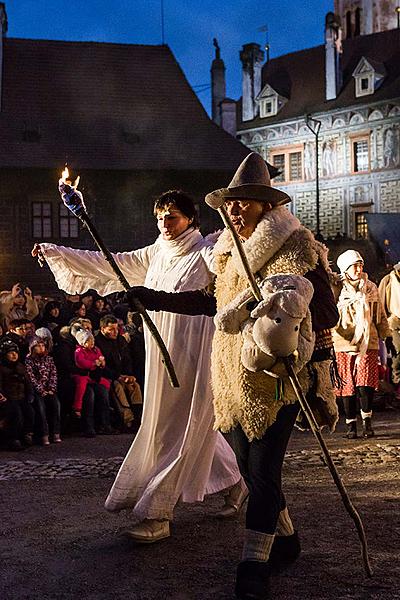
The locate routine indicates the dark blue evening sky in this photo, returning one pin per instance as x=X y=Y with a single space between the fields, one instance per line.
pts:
x=189 y=25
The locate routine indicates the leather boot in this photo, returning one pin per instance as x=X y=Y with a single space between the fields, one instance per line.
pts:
x=252 y=580
x=367 y=429
x=351 y=433
x=285 y=550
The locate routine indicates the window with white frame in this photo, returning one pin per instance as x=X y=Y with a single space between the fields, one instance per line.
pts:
x=268 y=106
x=360 y=154
x=364 y=84
x=42 y=226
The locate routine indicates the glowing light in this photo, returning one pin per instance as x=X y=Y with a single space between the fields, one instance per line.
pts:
x=65 y=178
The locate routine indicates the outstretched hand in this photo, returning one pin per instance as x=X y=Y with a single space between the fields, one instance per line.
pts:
x=37 y=252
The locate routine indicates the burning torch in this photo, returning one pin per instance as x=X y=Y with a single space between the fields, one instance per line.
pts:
x=73 y=200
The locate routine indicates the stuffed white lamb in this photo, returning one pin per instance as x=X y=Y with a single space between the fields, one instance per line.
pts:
x=278 y=326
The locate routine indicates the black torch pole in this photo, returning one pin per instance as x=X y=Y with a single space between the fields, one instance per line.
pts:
x=73 y=200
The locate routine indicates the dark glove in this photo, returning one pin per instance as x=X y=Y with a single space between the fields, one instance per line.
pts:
x=390 y=346
x=197 y=302
x=140 y=293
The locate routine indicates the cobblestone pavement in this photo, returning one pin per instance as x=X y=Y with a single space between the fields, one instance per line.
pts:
x=65 y=468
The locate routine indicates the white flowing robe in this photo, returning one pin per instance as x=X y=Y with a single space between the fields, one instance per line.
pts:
x=176 y=454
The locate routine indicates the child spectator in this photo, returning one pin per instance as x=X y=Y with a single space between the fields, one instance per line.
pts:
x=43 y=376
x=90 y=359
x=17 y=333
x=17 y=304
x=45 y=334
x=16 y=407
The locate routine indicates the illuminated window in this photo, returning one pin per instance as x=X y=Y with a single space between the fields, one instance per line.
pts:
x=41 y=220
x=360 y=155
x=361 y=225
x=69 y=227
x=290 y=163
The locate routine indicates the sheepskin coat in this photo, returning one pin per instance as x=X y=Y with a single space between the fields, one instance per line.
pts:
x=279 y=244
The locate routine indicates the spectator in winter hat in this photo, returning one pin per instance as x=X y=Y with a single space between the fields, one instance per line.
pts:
x=16 y=397
x=43 y=376
x=89 y=359
x=362 y=322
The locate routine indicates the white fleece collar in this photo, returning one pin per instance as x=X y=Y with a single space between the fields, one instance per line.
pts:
x=270 y=235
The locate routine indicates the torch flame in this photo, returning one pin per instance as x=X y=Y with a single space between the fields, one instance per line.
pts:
x=65 y=178
x=65 y=175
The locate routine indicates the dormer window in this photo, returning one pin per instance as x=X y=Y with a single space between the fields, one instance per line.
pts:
x=368 y=76
x=270 y=102
x=268 y=106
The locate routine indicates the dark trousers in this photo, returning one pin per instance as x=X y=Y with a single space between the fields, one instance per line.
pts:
x=47 y=409
x=19 y=418
x=96 y=408
x=350 y=403
x=260 y=463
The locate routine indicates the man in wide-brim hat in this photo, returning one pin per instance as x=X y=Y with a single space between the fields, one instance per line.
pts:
x=246 y=403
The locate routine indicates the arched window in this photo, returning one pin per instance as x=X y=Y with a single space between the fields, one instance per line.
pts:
x=348 y=24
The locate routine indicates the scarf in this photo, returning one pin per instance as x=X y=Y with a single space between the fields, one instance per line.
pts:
x=180 y=245
x=363 y=298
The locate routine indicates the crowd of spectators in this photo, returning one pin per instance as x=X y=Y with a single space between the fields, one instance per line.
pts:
x=67 y=365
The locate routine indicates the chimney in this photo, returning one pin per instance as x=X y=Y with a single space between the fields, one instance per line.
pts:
x=218 y=89
x=333 y=55
x=252 y=58
x=3 y=32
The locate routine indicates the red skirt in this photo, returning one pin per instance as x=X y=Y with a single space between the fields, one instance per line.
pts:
x=364 y=372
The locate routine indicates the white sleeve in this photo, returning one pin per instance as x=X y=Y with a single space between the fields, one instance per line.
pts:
x=76 y=271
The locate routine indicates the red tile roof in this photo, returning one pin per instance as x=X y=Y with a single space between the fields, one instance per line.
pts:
x=300 y=77
x=97 y=105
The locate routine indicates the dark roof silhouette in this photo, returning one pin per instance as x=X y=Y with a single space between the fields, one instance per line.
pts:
x=300 y=76
x=105 y=106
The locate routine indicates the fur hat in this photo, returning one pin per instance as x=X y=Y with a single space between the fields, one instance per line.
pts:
x=251 y=181
x=8 y=345
x=348 y=258
x=82 y=336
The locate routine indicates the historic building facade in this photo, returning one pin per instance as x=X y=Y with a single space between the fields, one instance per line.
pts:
x=342 y=98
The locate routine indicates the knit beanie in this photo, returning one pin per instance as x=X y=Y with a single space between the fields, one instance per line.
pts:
x=82 y=336
x=348 y=258
x=35 y=341
x=8 y=345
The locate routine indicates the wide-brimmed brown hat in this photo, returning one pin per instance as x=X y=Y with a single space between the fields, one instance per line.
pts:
x=251 y=181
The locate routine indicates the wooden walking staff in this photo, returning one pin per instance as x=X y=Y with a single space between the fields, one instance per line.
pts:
x=73 y=200
x=218 y=204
